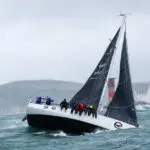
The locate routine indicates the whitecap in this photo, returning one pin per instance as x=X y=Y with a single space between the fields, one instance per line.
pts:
x=139 y=107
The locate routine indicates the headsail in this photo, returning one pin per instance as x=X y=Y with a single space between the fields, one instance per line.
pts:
x=122 y=105
x=91 y=92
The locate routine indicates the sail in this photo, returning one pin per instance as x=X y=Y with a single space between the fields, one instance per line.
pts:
x=91 y=91
x=122 y=105
x=111 y=88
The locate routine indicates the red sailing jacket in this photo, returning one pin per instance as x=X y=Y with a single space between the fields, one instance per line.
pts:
x=80 y=106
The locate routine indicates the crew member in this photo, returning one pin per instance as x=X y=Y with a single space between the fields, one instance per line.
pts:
x=38 y=100
x=48 y=101
x=77 y=108
x=64 y=104
x=73 y=107
x=92 y=110
x=82 y=109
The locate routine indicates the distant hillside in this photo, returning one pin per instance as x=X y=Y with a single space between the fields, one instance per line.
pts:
x=16 y=94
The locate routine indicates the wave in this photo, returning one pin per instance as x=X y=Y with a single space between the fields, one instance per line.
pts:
x=147 y=106
x=11 y=123
x=40 y=133
x=97 y=131
x=60 y=133
x=12 y=111
x=143 y=98
x=140 y=107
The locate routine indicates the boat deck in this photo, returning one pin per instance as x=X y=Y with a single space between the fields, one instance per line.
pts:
x=52 y=117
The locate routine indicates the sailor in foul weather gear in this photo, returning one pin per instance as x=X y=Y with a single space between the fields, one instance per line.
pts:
x=89 y=110
x=64 y=104
x=77 y=108
x=73 y=107
x=38 y=100
x=81 y=108
x=85 y=109
x=92 y=110
x=48 y=101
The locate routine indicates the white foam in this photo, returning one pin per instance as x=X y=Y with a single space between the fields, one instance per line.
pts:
x=61 y=133
x=99 y=131
x=143 y=97
x=139 y=107
x=147 y=106
x=40 y=132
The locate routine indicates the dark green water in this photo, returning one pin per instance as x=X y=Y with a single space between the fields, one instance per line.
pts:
x=16 y=135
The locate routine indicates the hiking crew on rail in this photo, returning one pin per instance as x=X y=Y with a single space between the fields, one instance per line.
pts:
x=81 y=108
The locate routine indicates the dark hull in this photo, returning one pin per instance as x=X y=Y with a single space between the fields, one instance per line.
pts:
x=70 y=126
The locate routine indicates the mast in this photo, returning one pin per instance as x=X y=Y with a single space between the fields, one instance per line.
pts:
x=124 y=17
x=117 y=43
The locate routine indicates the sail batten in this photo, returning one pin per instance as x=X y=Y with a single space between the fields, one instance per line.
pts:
x=91 y=91
x=122 y=105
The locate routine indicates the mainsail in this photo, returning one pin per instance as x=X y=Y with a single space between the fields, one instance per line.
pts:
x=91 y=92
x=122 y=105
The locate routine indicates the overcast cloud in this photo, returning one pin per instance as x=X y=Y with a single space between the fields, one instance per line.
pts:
x=65 y=39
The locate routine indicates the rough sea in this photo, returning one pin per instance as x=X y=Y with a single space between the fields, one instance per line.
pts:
x=16 y=135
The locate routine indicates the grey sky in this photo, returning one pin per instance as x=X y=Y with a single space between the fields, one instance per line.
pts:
x=65 y=39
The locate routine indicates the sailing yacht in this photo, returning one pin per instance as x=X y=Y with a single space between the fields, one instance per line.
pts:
x=120 y=113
